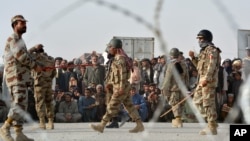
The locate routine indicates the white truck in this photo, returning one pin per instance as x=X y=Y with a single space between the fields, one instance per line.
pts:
x=243 y=42
x=138 y=47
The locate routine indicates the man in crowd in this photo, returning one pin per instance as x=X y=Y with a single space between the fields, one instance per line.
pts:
x=68 y=110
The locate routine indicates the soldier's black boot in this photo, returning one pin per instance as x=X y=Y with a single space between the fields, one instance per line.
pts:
x=114 y=123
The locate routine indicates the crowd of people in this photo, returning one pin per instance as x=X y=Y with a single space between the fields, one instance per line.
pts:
x=123 y=88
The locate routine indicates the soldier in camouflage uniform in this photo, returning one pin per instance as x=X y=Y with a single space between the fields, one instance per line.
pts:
x=205 y=92
x=170 y=87
x=119 y=75
x=43 y=87
x=109 y=89
x=18 y=63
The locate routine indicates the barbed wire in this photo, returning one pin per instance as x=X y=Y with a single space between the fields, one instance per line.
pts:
x=155 y=29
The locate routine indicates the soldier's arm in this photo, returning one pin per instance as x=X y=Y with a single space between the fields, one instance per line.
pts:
x=21 y=54
x=213 y=57
x=166 y=81
x=122 y=72
x=31 y=50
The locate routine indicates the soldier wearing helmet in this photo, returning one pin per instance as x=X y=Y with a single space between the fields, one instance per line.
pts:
x=208 y=66
x=119 y=73
x=18 y=64
x=206 y=35
x=170 y=87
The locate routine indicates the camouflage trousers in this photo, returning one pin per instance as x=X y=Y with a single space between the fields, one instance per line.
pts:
x=204 y=99
x=44 y=101
x=176 y=97
x=114 y=105
x=19 y=96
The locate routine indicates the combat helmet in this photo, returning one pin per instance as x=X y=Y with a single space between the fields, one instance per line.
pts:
x=116 y=43
x=174 y=52
x=206 y=35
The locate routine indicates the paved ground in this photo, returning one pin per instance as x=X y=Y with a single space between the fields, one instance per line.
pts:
x=153 y=132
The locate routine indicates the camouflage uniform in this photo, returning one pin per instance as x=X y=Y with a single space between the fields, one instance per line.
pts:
x=204 y=96
x=118 y=78
x=171 y=89
x=18 y=63
x=43 y=88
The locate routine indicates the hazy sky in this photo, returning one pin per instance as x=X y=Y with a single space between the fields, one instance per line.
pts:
x=69 y=28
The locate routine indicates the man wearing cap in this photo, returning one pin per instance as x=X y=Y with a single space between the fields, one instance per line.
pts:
x=121 y=67
x=18 y=64
x=246 y=65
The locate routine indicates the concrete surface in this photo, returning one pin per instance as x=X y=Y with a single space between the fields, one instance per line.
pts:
x=153 y=132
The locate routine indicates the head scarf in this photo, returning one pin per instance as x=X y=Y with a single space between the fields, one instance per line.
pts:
x=129 y=61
